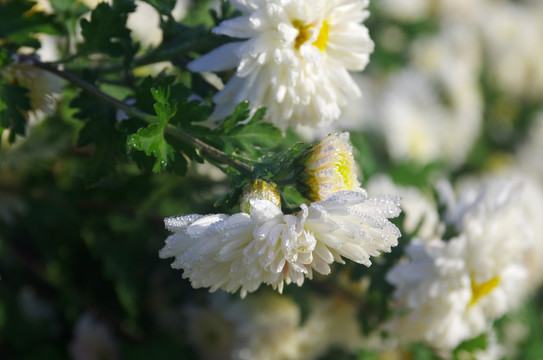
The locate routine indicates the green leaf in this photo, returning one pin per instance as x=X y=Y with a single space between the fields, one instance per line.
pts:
x=240 y=114
x=65 y=5
x=478 y=343
x=44 y=143
x=151 y=139
x=14 y=103
x=251 y=136
x=164 y=110
x=18 y=23
x=100 y=135
x=106 y=31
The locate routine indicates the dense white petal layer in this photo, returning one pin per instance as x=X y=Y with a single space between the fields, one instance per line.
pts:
x=295 y=60
x=243 y=251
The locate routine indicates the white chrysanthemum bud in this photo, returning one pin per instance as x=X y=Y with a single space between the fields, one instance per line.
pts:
x=41 y=84
x=259 y=190
x=329 y=167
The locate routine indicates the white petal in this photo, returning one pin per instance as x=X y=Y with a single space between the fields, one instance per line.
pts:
x=222 y=58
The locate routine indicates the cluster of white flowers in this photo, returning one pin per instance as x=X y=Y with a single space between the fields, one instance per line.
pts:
x=295 y=60
x=268 y=326
x=441 y=118
x=450 y=290
x=264 y=245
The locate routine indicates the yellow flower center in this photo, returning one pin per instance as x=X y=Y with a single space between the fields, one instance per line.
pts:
x=304 y=35
x=344 y=167
x=480 y=290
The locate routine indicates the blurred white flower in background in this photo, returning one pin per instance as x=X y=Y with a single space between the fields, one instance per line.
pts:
x=513 y=37
x=93 y=340
x=413 y=10
x=145 y=22
x=331 y=323
x=42 y=86
x=451 y=290
x=295 y=60
x=412 y=119
x=526 y=155
x=432 y=110
x=268 y=326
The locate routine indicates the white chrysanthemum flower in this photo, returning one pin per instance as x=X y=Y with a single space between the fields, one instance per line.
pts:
x=512 y=36
x=413 y=119
x=41 y=84
x=451 y=291
x=329 y=167
x=444 y=296
x=242 y=251
x=295 y=60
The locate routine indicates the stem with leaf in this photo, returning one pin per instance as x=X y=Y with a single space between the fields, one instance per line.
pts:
x=206 y=150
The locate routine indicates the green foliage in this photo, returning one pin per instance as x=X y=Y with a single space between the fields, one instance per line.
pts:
x=470 y=346
x=151 y=139
x=106 y=31
x=18 y=21
x=45 y=143
x=14 y=108
x=100 y=136
x=236 y=134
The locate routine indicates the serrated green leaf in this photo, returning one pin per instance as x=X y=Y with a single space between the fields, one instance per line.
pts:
x=251 y=138
x=151 y=141
x=192 y=111
x=14 y=103
x=100 y=133
x=18 y=23
x=106 y=30
x=163 y=109
x=258 y=115
x=240 y=114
